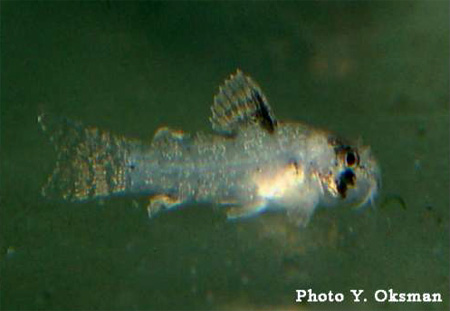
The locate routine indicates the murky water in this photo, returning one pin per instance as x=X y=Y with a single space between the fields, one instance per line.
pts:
x=378 y=71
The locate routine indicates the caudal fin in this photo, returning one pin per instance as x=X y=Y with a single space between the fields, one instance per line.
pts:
x=90 y=163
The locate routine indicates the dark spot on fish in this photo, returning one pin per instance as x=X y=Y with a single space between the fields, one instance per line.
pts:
x=346 y=178
x=342 y=188
x=263 y=114
x=349 y=177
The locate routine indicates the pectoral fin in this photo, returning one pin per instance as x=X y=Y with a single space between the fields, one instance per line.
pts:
x=240 y=102
x=161 y=202
x=245 y=211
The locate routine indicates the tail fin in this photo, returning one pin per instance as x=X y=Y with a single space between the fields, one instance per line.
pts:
x=90 y=163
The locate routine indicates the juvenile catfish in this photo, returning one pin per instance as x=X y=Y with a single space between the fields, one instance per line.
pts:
x=253 y=162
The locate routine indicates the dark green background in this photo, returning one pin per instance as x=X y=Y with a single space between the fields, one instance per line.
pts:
x=376 y=70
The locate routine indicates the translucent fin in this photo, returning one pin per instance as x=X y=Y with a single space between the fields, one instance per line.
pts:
x=90 y=163
x=239 y=102
x=166 y=134
x=171 y=144
x=245 y=211
x=161 y=202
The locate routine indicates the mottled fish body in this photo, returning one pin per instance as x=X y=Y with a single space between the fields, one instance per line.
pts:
x=252 y=163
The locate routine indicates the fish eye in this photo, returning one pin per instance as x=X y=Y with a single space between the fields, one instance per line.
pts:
x=351 y=158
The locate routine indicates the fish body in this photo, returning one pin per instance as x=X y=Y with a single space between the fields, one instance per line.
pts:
x=252 y=162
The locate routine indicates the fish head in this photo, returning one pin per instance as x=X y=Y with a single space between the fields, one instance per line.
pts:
x=353 y=178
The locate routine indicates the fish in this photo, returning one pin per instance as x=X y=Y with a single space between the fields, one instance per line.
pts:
x=250 y=163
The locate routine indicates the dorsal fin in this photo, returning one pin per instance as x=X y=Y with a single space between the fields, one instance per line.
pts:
x=240 y=102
